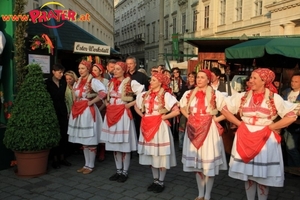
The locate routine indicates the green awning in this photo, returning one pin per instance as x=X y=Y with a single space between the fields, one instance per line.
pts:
x=288 y=47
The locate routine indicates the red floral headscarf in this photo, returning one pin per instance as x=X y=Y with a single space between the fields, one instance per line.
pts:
x=100 y=67
x=207 y=72
x=164 y=79
x=87 y=64
x=123 y=65
x=268 y=77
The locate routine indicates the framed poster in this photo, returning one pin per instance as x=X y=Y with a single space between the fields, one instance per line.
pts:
x=42 y=60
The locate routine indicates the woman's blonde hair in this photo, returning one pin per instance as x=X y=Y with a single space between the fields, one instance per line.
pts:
x=72 y=74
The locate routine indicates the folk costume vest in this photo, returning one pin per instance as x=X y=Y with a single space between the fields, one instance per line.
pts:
x=198 y=124
x=249 y=144
x=150 y=124
x=127 y=94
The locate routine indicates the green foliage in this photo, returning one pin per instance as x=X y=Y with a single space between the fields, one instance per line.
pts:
x=33 y=125
x=19 y=42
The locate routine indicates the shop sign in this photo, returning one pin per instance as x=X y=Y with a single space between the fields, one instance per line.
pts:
x=87 y=48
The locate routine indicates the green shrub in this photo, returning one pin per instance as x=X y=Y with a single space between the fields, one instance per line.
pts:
x=33 y=125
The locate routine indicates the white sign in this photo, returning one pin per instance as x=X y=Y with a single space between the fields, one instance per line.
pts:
x=87 y=48
x=42 y=60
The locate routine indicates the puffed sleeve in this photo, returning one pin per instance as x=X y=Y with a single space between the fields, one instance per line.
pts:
x=170 y=101
x=220 y=100
x=284 y=108
x=97 y=86
x=233 y=102
x=183 y=101
x=136 y=87
x=139 y=100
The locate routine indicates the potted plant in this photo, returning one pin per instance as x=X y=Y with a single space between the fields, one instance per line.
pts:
x=33 y=128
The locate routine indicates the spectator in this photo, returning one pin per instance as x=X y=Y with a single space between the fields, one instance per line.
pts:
x=220 y=85
x=110 y=69
x=292 y=132
x=177 y=82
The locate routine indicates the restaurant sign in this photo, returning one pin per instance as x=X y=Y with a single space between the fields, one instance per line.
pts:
x=88 y=48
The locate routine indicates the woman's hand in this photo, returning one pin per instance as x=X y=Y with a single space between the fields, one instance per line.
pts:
x=90 y=103
x=271 y=127
x=163 y=117
x=127 y=105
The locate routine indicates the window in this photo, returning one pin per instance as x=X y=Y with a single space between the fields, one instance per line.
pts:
x=174 y=25
x=166 y=28
x=206 y=17
x=195 y=13
x=258 y=7
x=148 y=34
x=153 y=32
x=222 y=11
x=36 y=4
x=239 y=6
x=183 y=23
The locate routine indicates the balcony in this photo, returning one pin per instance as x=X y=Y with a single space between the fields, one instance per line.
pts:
x=182 y=2
x=139 y=38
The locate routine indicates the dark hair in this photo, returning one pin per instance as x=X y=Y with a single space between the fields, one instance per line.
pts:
x=216 y=71
x=111 y=61
x=132 y=58
x=195 y=76
x=296 y=74
x=176 y=68
x=58 y=67
x=165 y=70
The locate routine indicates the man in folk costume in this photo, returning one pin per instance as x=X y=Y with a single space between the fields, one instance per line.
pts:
x=256 y=156
x=85 y=121
x=203 y=150
x=118 y=130
x=156 y=146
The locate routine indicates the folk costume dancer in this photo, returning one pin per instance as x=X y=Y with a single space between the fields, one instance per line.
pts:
x=156 y=146
x=118 y=130
x=256 y=156
x=85 y=121
x=203 y=150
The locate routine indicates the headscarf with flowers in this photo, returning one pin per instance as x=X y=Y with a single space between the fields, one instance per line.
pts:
x=100 y=67
x=268 y=77
x=88 y=64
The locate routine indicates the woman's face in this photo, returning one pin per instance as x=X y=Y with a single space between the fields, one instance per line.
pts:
x=70 y=80
x=58 y=74
x=256 y=83
x=191 y=79
x=118 y=72
x=83 y=70
x=202 y=80
x=96 y=71
x=154 y=83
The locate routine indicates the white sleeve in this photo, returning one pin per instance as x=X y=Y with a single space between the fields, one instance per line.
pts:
x=183 y=101
x=97 y=86
x=136 y=87
x=220 y=100
x=283 y=107
x=233 y=102
x=170 y=101
x=139 y=100
x=2 y=42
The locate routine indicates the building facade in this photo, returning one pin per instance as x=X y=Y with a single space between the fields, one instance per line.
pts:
x=101 y=24
x=130 y=29
x=202 y=19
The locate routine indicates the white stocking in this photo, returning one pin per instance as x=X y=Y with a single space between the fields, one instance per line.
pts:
x=200 y=178
x=126 y=162
x=209 y=182
x=86 y=155
x=250 y=187
x=155 y=172
x=262 y=192
x=162 y=174
x=118 y=160
x=92 y=155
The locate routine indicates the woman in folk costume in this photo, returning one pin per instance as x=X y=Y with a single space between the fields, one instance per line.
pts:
x=98 y=73
x=85 y=121
x=203 y=150
x=156 y=146
x=118 y=130
x=256 y=156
